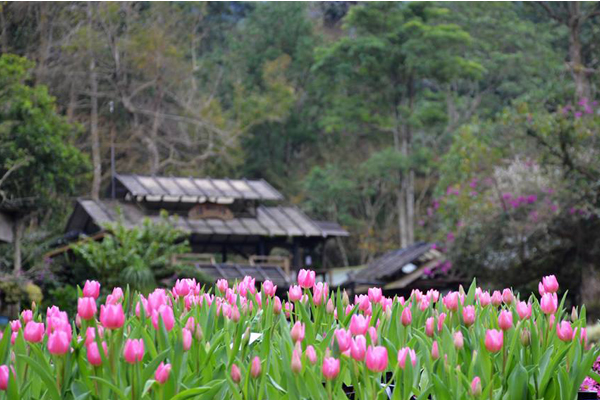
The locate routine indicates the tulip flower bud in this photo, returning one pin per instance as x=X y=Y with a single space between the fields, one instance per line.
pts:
x=574 y=314
x=330 y=307
x=296 y=362
x=458 y=340
x=187 y=339
x=236 y=375
x=331 y=368
x=162 y=373
x=277 y=305
x=345 y=299
x=198 y=332
x=476 y=386
x=406 y=317
x=246 y=336
x=311 y=354
x=525 y=337
x=255 y=369
x=435 y=351
x=297 y=332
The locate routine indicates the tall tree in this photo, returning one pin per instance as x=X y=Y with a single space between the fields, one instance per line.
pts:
x=381 y=73
x=39 y=166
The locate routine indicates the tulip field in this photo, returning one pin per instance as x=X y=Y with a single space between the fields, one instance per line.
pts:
x=240 y=341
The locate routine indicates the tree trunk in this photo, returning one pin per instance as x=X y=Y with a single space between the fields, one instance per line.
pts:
x=95 y=137
x=401 y=191
x=18 y=236
x=42 y=55
x=410 y=207
x=3 y=30
x=578 y=69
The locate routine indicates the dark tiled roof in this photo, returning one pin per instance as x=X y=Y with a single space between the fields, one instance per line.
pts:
x=390 y=264
x=269 y=221
x=194 y=188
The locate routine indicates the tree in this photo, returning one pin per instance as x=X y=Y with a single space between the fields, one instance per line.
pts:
x=578 y=18
x=382 y=75
x=139 y=256
x=39 y=167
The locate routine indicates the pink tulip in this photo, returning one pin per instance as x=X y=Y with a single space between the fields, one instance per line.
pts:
x=13 y=337
x=406 y=317
x=289 y=307
x=311 y=354
x=166 y=314
x=435 y=351
x=377 y=358
x=320 y=292
x=112 y=316
x=403 y=353
x=451 y=301
x=27 y=315
x=372 y=331
x=496 y=298
x=494 y=340
x=59 y=342
x=183 y=287
x=429 y=324
x=458 y=340
x=187 y=339
x=296 y=361
x=255 y=368
x=295 y=293
x=564 y=331
x=507 y=296
x=440 y=323
x=344 y=339
x=476 y=386
x=236 y=375
x=297 y=332
x=330 y=307
x=277 y=305
x=15 y=325
x=133 y=351
x=423 y=303
x=269 y=288
x=469 y=315
x=222 y=285
x=550 y=284
x=524 y=310
x=90 y=334
x=359 y=324
x=93 y=354
x=91 y=289
x=541 y=289
x=549 y=303
x=86 y=307
x=505 y=320
x=306 y=278
x=162 y=373
x=433 y=295
x=331 y=368
x=358 y=348
x=485 y=299
x=5 y=376
x=375 y=294
x=34 y=332
x=115 y=297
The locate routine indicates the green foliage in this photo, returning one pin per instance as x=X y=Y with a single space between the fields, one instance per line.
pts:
x=36 y=156
x=136 y=256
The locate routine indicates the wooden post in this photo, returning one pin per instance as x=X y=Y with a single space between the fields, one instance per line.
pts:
x=18 y=233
